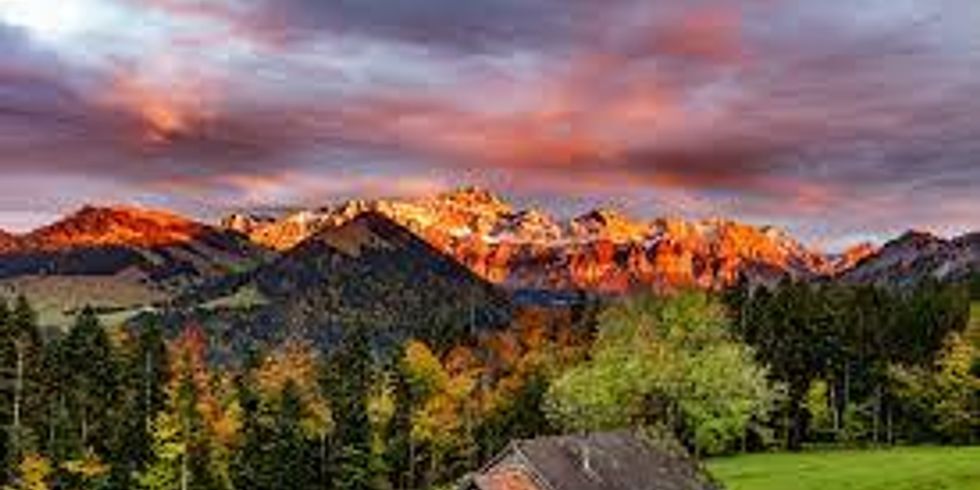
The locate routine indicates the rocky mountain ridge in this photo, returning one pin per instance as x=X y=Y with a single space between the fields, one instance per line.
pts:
x=602 y=250
x=917 y=256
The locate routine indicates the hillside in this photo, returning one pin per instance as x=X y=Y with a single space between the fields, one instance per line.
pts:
x=916 y=256
x=368 y=273
x=118 y=258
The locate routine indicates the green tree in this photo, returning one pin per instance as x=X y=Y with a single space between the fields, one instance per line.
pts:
x=399 y=454
x=93 y=383
x=294 y=454
x=946 y=397
x=143 y=371
x=195 y=430
x=7 y=456
x=20 y=368
x=349 y=380
x=669 y=362
x=285 y=423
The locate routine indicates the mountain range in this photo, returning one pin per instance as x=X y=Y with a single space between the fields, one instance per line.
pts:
x=468 y=241
x=601 y=250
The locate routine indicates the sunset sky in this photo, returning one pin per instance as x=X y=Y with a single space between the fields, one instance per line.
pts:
x=839 y=119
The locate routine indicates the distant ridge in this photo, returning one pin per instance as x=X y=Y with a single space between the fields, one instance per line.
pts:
x=93 y=226
x=118 y=258
x=110 y=240
x=916 y=256
x=8 y=241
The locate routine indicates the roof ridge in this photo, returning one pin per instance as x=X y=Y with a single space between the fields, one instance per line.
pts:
x=533 y=471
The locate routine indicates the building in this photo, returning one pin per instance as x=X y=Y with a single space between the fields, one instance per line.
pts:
x=604 y=461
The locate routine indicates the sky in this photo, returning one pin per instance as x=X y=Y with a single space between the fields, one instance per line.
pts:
x=839 y=120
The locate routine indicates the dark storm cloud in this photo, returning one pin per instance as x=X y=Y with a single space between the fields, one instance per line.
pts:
x=449 y=24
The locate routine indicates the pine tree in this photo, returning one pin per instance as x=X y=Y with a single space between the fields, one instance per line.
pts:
x=184 y=440
x=143 y=377
x=7 y=457
x=93 y=377
x=60 y=439
x=294 y=456
x=20 y=363
x=400 y=450
x=252 y=467
x=354 y=466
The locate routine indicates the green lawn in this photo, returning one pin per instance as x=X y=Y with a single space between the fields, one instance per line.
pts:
x=920 y=468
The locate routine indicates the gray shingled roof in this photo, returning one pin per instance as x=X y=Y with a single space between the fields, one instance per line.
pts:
x=605 y=461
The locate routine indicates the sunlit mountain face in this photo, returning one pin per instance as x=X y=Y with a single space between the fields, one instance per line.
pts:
x=840 y=122
x=519 y=249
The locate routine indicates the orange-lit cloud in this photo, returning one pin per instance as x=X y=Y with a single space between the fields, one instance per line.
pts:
x=164 y=109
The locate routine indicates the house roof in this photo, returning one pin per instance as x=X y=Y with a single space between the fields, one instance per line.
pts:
x=604 y=461
x=509 y=478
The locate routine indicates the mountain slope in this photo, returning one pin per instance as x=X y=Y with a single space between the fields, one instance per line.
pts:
x=117 y=258
x=367 y=273
x=601 y=250
x=94 y=226
x=8 y=241
x=917 y=256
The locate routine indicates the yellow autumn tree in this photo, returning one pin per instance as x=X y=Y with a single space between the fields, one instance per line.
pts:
x=32 y=474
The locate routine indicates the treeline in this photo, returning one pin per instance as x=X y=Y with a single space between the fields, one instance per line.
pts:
x=760 y=368
x=111 y=408
x=76 y=407
x=751 y=369
x=863 y=364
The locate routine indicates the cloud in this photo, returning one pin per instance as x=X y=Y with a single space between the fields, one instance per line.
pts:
x=770 y=110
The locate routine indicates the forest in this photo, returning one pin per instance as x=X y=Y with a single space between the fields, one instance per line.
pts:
x=749 y=369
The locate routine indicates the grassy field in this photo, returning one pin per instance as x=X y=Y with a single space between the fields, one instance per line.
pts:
x=920 y=468
x=57 y=299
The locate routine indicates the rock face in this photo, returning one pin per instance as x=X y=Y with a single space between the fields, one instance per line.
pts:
x=601 y=250
x=917 y=256
x=853 y=256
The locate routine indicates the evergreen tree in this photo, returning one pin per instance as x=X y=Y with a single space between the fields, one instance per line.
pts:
x=61 y=440
x=93 y=382
x=7 y=457
x=187 y=446
x=293 y=455
x=143 y=377
x=283 y=431
x=400 y=450
x=20 y=369
x=252 y=467
x=349 y=375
